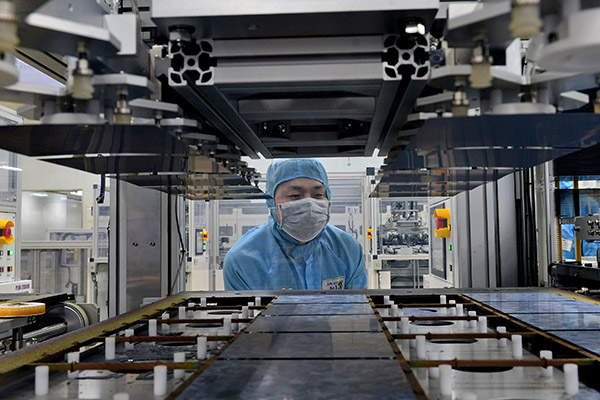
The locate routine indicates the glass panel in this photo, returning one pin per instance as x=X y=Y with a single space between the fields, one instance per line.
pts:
x=404 y=227
x=407 y=273
x=56 y=270
x=236 y=217
x=8 y=176
x=48 y=211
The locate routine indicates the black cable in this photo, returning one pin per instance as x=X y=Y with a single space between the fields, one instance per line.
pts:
x=182 y=250
x=100 y=198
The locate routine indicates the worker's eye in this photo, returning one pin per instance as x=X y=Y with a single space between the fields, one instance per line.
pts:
x=294 y=196
x=318 y=196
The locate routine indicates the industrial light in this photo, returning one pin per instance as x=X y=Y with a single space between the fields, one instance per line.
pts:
x=415 y=28
x=9 y=168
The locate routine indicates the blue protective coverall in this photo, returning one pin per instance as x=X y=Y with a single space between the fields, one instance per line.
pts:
x=267 y=258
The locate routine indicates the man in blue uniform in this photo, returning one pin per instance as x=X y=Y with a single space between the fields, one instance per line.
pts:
x=296 y=248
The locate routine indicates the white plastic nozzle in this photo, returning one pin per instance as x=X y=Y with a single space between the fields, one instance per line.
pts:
x=42 y=373
x=160 y=380
x=109 y=348
x=190 y=313
x=517 y=346
x=152 y=330
x=227 y=325
x=472 y=322
x=165 y=328
x=452 y=309
x=421 y=350
x=571 y=372
x=73 y=358
x=128 y=333
x=179 y=357
x=404 y=325
x=445 y=380
x=235 y=325
x=549 y=371
x=434 y=372
x=482 y=323
x=201 y=343
x=502 y=342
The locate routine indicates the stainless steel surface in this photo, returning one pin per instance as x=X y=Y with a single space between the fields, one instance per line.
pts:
x=46 y=332
x=275 y=19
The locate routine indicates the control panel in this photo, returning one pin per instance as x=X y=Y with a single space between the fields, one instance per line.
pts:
x=7 y=247
x=588 y=228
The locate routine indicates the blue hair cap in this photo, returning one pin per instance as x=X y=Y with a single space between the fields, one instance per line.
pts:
x=286 y=170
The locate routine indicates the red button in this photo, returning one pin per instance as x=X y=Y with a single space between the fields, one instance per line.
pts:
x=7 y=232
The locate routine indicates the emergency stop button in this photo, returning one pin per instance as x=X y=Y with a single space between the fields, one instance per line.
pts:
x=6 y=234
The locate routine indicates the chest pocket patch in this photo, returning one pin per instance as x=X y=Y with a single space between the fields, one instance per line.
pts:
x=334 y=283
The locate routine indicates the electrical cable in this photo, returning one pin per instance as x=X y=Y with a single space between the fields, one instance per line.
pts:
x=182 y=249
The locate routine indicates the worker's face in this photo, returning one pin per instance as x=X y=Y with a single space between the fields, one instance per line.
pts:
x=297 y=189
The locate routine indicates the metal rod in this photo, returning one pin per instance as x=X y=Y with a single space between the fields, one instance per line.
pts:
x=438 y=318
x=134 y=366
x=202 y=321
x=421 y=305
x=491 y=335
x=47 y=331
x=537 y=362
x=191 y=339
x=216 y=308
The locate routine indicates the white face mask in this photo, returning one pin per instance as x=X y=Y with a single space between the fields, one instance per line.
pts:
x=304 y=219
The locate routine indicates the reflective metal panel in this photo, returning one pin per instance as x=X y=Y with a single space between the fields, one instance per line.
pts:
x=322 y=299
x=275 y=19
x=318 y=309
x=48 y=140
x=282 y=379
x=310 y=345
x=330 y=323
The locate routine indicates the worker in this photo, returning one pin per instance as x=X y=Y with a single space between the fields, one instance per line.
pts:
x=296 y=248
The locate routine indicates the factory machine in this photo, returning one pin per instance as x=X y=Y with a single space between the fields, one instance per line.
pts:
x=377 y=344
x=486 y=108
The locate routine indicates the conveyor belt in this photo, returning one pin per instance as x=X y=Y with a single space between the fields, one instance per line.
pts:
x=334 y=342
x=575 y=321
